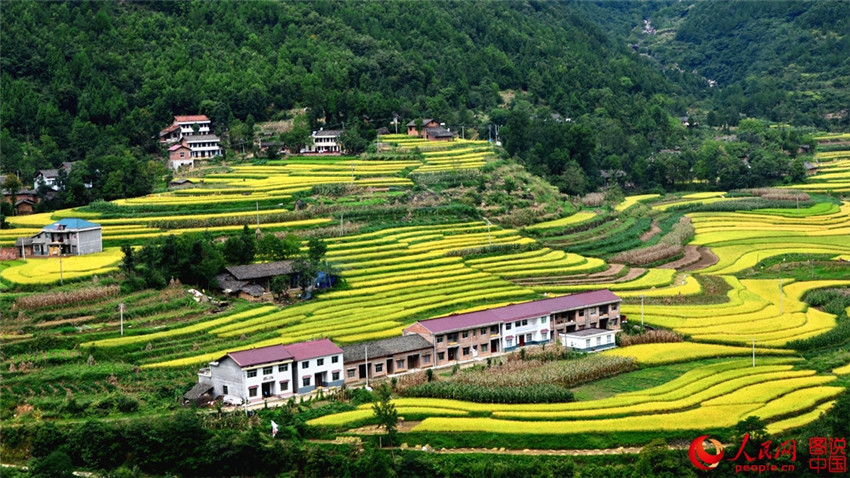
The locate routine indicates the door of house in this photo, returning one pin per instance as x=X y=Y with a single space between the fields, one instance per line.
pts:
x=521 y=339
x=389 y=366
x=494 y=346
x=320 y=379
x=361 y=371
x=268 y=389
x=412 y=362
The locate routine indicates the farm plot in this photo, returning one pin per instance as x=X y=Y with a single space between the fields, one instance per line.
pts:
x=53 y=269
x=712 y=396
x=741 y=240
x=760 y=314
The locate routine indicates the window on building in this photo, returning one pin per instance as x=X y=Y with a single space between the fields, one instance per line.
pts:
x=283 y=367
x=544 y=334
x=517 y=323
x=483 y=330
x=452 y=337
x=426 y=358
x=351 y=372
x=507 y=326
x=252 y=392
x=306 y=381
x=399 y=364
x=598 y=340
x=484 y=348
x=494 y=329
x=379 y=367
x=465 y=335
x=509 y=342
x=335 y=359
x=528 y=338
x=320 y=362
x=543 y=320
x=439 y=339
x=268 y=370
x=224 y=390
x=284 y=386
x=305 y=364
x=465 y=351
x=252 y=373
x=581 y=313
x=334 y=376
x=441 y=356
x=524 y=322
x=587 y=343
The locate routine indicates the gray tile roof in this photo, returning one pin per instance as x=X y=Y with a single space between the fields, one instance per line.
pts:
x=385 y=347
x=259 y=271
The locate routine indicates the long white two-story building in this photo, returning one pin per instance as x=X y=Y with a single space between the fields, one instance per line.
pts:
x=274 y=371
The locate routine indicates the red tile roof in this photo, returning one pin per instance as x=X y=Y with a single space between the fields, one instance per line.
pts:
x=513 y=312
x=177 y=146
x=191 y=118
x=261 y=355
x=313 y=349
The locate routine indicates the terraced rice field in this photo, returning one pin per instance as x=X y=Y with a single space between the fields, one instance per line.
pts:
x=755 y=311
x=741 y=240
x=708 y=397
x=53 y=269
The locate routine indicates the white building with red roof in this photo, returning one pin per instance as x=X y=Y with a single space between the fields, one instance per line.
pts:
x=317 y=364
x=274 y=371
x=185 y=126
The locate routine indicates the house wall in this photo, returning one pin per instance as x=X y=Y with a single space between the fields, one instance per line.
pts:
x=526 y=332
x=304 y=372
x=9 y=253
x=419 y=357
x=180 y=163
x=228 y=374
x=466 y=344
x=593 y=343
x=89 y=242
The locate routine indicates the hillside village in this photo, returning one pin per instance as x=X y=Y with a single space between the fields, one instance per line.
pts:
x=424 y=239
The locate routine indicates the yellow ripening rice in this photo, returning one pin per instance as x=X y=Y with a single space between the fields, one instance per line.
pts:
x=566 y=221
x=632 y=200
x=654 y=354
x=47 y=270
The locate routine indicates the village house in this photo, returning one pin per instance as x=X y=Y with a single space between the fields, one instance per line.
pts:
x=386 y=357
x=49 y=177
x=432 y=130
x=67 y=236
x=185 y=126
x=274 y=371
x=325 y=141
x=317 y=364
x=252 y=281
x=194 y=141
x=251 y=375
x=472 y=335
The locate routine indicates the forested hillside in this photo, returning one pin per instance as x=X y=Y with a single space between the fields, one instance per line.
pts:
x=787 y=61
x=99 y=79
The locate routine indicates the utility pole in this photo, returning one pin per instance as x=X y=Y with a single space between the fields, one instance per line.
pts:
x=366 y=352
x=61 y=276
x=121 y=311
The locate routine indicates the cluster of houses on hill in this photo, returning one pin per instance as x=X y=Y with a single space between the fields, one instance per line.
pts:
x=192 y=140
x=587 y=322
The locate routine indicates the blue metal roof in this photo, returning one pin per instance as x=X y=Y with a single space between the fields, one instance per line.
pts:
x=72 y=223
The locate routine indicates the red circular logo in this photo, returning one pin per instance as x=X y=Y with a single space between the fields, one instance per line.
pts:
x=701 y=458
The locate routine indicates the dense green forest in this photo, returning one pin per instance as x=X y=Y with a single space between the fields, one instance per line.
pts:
x=95 y=81
x=786 y=61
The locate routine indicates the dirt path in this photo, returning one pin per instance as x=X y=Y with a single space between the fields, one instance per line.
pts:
x=707 y=258
x=691 y=256
x=653 y=230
